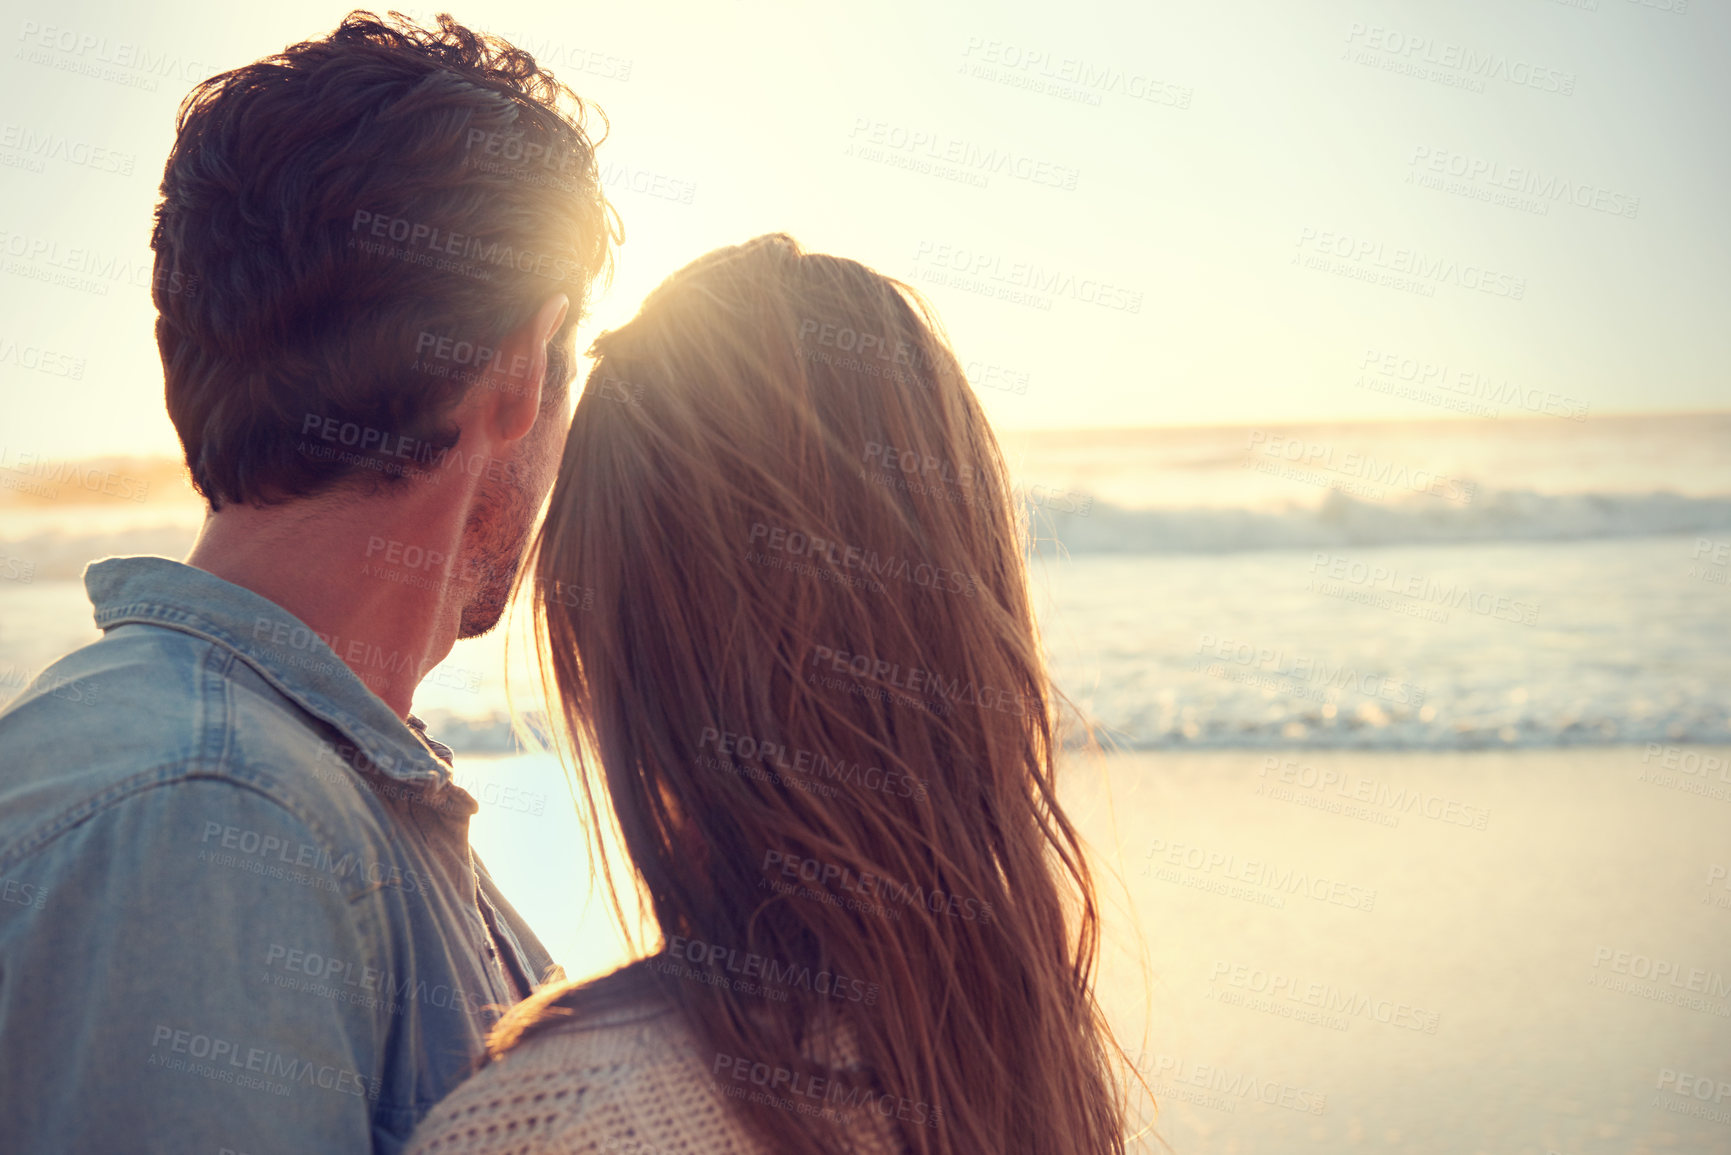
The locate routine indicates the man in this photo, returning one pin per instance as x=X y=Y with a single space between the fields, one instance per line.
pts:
x=242 y=910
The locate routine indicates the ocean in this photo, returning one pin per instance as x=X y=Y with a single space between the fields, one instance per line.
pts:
x=1473 y=584
x=1414 y=796
x=1487 y=583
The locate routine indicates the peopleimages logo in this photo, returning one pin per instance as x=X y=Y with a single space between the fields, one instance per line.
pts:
x=940 y=147
x=1418 y=588
x=840 y=1098
x=1388 y=799
x=1695 y=980
x=88 y=54
x=233 y=1061
x=1372 y=256
x=85 y=270
x=1494 y=177
x=41 y=360
x=1695 y=771
x=1326 y=998
x=1469 y=387
x=1178 y=1075
x=1068 y=77
x=35 y=147
x=814 y=764
x=75 y=690
x=1427 y=58
x=1045 y=283
x=342 y=980
x=1686 y=1093
x=1257 y=872
x=750 y=966
x=1275 y=448
x=1307 y=670
x=871 y=565
x=453 y=247
x=28 y=894
x=50 y=474
x=1694 y=1086
x=264 y=853
x=913 y=680
x=871 y=886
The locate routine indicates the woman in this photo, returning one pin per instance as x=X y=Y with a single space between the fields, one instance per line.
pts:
x=783 y=602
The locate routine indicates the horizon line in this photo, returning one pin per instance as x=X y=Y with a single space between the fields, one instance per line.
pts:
x=1457 y=419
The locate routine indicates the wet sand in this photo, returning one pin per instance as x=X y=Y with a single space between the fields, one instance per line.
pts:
x=1506 y=952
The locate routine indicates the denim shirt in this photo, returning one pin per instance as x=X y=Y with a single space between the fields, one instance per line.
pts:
x=238 y=908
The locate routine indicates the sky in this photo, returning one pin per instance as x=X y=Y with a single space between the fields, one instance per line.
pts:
x=1130 y=214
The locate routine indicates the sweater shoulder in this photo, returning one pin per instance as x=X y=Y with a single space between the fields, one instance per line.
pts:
x=628 y=1080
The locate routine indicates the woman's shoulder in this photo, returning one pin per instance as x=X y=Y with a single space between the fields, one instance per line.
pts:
x=616 y=1070
x=628 y=997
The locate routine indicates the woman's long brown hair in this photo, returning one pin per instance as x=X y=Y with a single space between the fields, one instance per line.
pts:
x=782 y=596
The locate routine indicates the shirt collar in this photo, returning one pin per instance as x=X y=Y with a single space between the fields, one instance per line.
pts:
x=282 y=648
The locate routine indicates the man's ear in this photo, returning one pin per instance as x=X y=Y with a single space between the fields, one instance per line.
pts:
x=518 y=371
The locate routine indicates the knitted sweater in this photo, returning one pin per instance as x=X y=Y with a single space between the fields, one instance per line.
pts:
x=630 y=1080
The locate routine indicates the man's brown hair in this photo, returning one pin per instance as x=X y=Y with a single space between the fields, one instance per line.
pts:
x=347 y=229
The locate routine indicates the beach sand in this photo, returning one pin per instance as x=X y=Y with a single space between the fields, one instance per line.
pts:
x=1523 y=951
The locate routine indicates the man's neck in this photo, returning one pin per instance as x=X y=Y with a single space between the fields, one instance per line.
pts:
x=326 y=561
